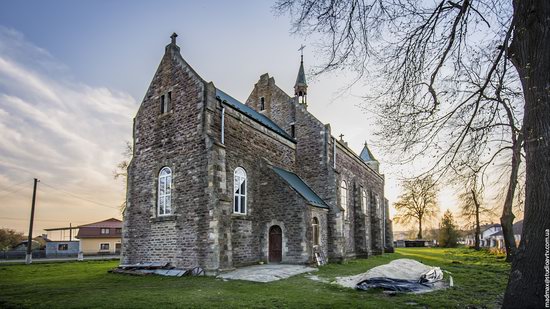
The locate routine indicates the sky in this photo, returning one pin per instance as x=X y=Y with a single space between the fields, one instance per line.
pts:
x=73 y=73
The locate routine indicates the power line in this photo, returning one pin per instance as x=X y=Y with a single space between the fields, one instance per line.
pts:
x=80 y=198
x=42 y=220
x=15 y=185
x=11 y=192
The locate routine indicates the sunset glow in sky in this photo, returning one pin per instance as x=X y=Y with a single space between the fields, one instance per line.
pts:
x=72 y=75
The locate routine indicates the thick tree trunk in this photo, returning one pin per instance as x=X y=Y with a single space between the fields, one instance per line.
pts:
x=507 y=218
x=478 y=226
x=419 y=236
x=530 y=50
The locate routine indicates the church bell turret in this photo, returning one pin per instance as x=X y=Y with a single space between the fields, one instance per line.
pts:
x=300 y=88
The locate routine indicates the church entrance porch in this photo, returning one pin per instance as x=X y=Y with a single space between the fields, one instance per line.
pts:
x=275 y=244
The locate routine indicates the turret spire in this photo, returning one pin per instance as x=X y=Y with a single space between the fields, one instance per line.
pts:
x=300 y=88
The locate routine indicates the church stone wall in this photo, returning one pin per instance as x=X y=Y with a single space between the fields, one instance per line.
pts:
x=251 y=146
x=174 y=139
x=360 y=240
x=281 y=205
x=203 y=230
x=322 y=215
x=315 y=166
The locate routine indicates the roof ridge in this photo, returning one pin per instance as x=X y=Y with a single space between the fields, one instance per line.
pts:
x=84 y=225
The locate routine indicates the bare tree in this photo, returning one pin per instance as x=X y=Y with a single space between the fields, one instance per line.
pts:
x=445 y=71
x=471 y=200
x=418 y=202
x=121 y=171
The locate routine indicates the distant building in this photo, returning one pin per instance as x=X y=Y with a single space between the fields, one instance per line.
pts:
x=19 y=250
x=62 y=248
x=485 y=235
x=101 y=237
x=497 y=239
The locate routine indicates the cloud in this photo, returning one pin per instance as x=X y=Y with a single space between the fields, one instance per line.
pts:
x=67 y=133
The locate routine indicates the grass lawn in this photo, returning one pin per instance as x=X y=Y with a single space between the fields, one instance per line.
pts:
x=480 y=279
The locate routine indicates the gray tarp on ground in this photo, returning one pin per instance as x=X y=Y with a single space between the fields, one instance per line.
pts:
x=398 y=275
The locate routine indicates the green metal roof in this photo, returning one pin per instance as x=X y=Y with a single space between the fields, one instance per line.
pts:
x=301 y=78
x=243 y=108
x=301 y=187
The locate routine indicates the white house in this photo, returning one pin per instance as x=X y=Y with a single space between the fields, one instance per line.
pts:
x=485 y=235
x=498 y=238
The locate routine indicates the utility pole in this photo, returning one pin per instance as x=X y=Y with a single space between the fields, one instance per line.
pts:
x=70 y=232
x=28 y=258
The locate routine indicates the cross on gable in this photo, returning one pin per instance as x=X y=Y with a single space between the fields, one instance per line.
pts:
x=341 y=137
x=173 y=37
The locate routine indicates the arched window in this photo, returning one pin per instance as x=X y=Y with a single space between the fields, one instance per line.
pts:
x=364 y=201
x=240 y=190
x=378 y=208
x=315 y=226
x=344 y=195
x=165 y=192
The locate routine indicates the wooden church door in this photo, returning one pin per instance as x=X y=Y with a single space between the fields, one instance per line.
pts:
x=275 y=244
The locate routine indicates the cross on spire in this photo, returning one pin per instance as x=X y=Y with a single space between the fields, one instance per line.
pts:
x=341 y=137
x=301 y=49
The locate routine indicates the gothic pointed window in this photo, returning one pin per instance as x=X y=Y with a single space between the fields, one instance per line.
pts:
x=344 y=195
x=315 y=227
x=239 y=191
x=165 y=192
x=364 y=201
x=377 y=206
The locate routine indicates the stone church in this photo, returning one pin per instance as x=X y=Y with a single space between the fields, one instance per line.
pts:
x=218 y=183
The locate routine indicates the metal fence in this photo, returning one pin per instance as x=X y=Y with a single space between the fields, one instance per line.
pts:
x=19 y=254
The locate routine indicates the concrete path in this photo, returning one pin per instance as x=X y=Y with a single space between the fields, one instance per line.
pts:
x=266 y=273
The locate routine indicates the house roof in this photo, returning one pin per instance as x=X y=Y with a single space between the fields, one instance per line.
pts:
x=517 y=227
x=485 y=227
x=93 y=230
x=301 y=187
x=366 y=155
x=251 y=113
x=109 y=223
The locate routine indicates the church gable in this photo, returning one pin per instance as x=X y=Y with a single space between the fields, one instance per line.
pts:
x=173 y=77
x=270 y=100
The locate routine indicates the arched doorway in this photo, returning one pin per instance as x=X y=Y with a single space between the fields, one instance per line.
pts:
x=275 y=244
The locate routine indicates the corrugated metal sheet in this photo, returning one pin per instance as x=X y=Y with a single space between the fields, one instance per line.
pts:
x=300 y=186
x=263 y=120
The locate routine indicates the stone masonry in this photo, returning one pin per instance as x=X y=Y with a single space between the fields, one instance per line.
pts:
x=204 y=136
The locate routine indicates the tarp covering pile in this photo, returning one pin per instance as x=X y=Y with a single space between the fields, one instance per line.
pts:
x=402 y=275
